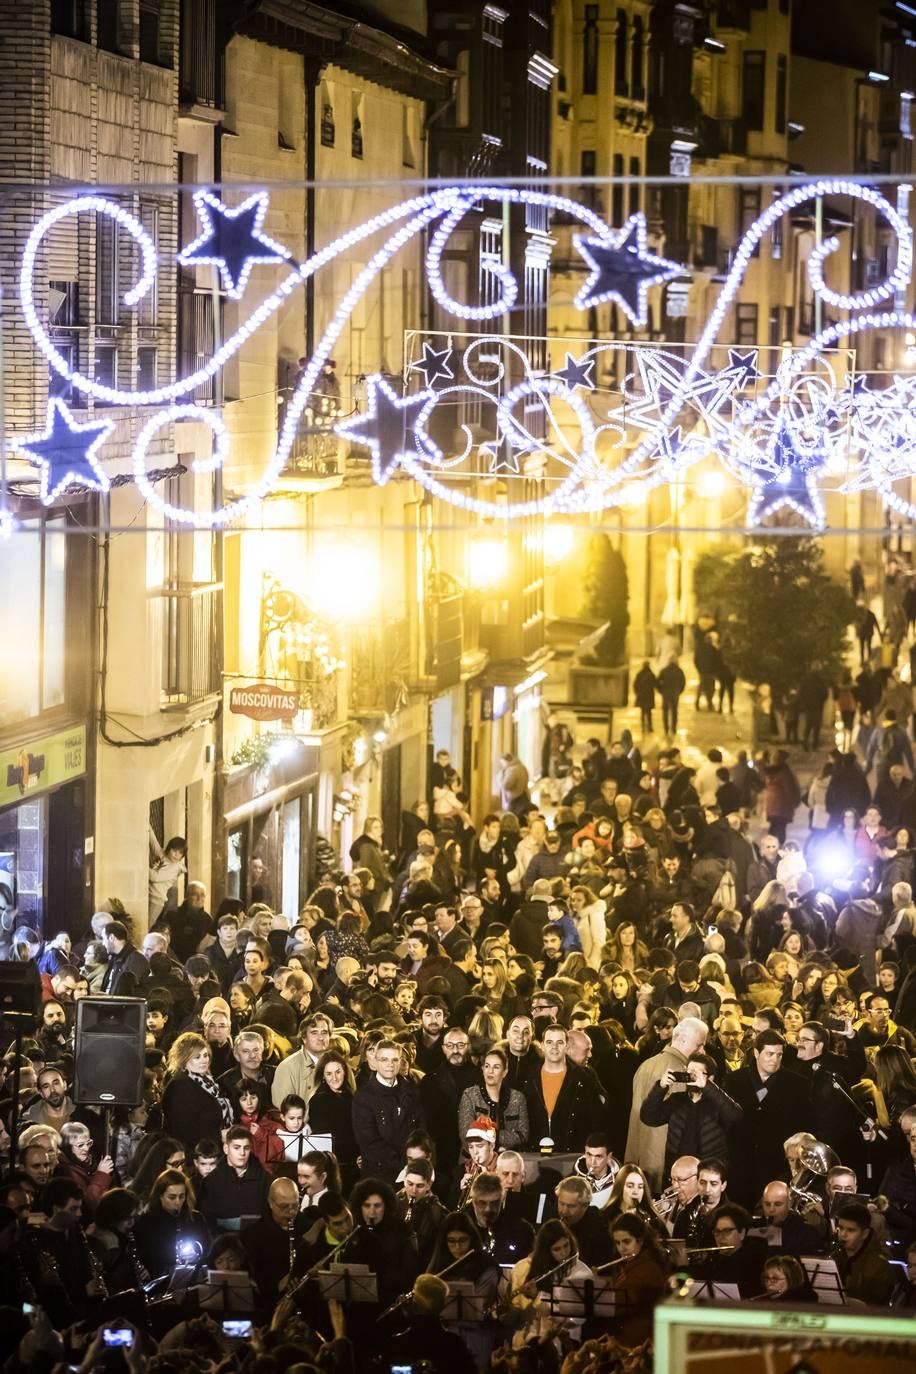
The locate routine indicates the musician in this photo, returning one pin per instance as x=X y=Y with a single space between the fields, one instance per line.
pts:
x=741 y=1256
x=168 y=1218
x=553 y=1260
x=831 y=1115
x=797 y=1237
x=329 y=1224
x=899 y=1187
x=698 y=1114
x=574 y=1196
x=641 y=1280
x=111 y=1241
x=631 y=1193
x=693 y=1224
x=597 y=1164
x=57 y=1258
x=505 y=1237
x=864 y=1272
x=238 y=1185
x=459 y=1249
x=904 y=1294
x=683 y=1197
x=426 y=1340
x=316 y=1173
x=271 y=1244
x=419 y=1208
x=784 y=1280
x=839 y=1181
x=795 y=1149
x=382 y=1241
x=480 y=1144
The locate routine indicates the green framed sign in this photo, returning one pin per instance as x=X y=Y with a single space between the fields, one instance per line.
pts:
x=29 y=769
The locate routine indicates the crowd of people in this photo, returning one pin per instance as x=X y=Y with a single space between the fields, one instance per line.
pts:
x=606 y=1043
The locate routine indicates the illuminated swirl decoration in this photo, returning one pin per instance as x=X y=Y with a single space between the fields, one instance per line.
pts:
x=476 y=423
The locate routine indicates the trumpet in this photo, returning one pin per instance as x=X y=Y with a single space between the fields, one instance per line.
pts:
x=666 y=1202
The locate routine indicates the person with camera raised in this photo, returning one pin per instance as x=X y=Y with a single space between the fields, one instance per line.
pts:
x=698 y=1114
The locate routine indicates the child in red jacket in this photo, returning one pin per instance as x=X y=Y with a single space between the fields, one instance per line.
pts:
x=256 y=1113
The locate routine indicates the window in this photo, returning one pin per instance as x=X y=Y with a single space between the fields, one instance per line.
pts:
x=327 y=127
x=108 y=25
x=408 y=155
x=620 y=54
x=588 y=165
x=106 y=366
x=200 y=79
x=746 y=324
x=590 y=51
x=150 y=19
x=748 y=211
x=106 y=270
x=617 y=193
x=356 y=133
x=637 y=86
x=753 y=90
x=147 y=368
x=776 y=231
x=781 y=80
x=634 y=187
x=775 y=327
x=34 y=560
x=68 y=17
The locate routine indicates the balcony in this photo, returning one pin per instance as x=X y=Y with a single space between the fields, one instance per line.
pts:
x=380 y=668
x=200 y=66
x=316 y=460
x=191 y=621
x=722 y=138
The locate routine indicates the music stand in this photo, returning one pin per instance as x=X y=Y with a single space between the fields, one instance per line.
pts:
x=585 y=1299
x=677 y=1249
x=348 y=1283
x=464 y=1304
x=824 y=1280
x=845 y=1199
x=225 y=1291
x=708 y=1290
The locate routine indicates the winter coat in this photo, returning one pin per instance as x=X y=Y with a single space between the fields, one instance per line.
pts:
x=757 y=1139
x=592 y=929
x=645 y=685
x=708 y=1120
x=671 y=681
x=226 y=1194
x=94 y=1183
x=367 y=853
x=510 y=1115
x=331 y=1113
x=156 y=1235
x=295 y=1075
x=190 y=1113
x=383 y=1118
x=781 y=792
x=858 y=926
x=580 y=1109
x=647 y=1143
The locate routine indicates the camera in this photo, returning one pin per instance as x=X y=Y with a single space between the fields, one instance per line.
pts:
x=680 y=1076
x=835 y=1023
x=117 y=1336
x=238 y=1328
x=712 y=930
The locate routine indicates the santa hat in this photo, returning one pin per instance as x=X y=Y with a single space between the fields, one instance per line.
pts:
x=482 y=1128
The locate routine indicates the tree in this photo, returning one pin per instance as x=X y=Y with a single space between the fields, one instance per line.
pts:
x=783 y=615
x=605 y=597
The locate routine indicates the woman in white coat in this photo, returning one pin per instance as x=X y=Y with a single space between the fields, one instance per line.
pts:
x=588 y=912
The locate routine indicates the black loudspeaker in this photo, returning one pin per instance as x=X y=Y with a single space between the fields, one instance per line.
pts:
x=109 y=1050
x=20 y=989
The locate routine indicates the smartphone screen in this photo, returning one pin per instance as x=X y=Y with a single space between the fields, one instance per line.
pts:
x=118 y=1335
x=238 y=1329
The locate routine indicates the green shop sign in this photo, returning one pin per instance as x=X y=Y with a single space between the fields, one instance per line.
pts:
x=41 y=764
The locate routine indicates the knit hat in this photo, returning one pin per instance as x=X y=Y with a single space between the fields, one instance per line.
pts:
x=482 y=1128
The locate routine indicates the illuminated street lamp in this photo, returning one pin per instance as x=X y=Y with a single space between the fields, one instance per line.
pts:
x=489 y=562
x=343 y=581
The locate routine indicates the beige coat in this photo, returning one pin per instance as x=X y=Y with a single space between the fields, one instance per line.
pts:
x=646 y=1144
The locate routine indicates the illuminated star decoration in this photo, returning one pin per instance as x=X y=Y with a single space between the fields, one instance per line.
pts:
x=434 y=364
x=232 y=239
x=504 y=453
x=745 y=364
x=65 y=452
x=623 y=269
x=577 y=373
x=386 y=427
x=793 y=484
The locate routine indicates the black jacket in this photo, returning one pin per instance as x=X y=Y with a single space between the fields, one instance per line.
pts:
x=331 y=1113
x=580 y=1109
x=383 y=1118
x=130 y=960
x=156 y=1236
x=225 y=1194
x=267 y=1246
x=697 y=1128
x=756 y=1152
x=440 y=1094
x=190 y=1113
x=832 y=1117
x=187 y=926
x=426 y=1341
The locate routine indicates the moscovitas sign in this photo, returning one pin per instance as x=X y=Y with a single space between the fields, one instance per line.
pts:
x=263 y=701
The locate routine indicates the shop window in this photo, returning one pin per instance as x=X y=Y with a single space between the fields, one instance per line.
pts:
x=33 y=560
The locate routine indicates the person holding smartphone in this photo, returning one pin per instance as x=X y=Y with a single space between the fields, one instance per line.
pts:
x=698 y=1113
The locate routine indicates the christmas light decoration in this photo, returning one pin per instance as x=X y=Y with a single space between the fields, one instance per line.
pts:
x=66 y=453
x=232 y=240
x=592 y=447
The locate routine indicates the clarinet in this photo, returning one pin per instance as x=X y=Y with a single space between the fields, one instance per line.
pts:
x=291 y=1238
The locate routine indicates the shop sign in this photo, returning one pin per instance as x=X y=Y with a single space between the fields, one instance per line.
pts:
x=41 y=764
x=263 y=701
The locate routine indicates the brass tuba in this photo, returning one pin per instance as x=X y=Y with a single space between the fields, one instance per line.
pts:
x=816 y=1160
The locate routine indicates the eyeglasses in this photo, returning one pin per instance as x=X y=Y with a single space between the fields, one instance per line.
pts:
x=684 y=1178
x=808 y=1040
x=725 y=1231
x=176 y=1163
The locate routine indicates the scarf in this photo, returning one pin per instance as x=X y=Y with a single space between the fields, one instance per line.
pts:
x=209 y=1085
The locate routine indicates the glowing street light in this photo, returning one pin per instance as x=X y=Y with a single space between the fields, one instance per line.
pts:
x=489 y=562
x=343 y=581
